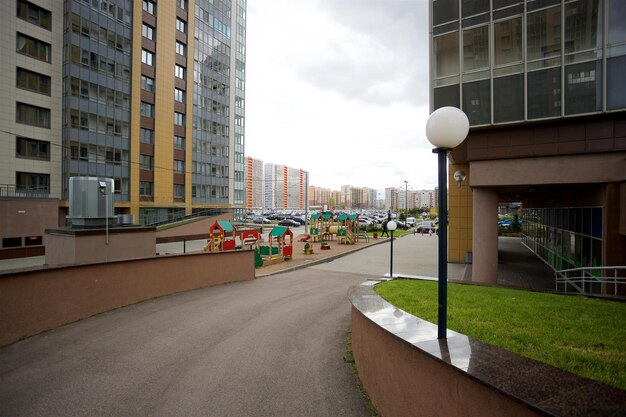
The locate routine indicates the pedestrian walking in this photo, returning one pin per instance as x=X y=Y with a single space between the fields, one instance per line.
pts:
x=430 y=232
x=384 y=229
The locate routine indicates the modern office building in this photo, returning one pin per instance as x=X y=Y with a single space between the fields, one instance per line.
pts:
x=148 y=93
x=254 y=184
x=542 y=84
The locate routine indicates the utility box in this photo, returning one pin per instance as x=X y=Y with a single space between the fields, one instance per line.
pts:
x=91 y=202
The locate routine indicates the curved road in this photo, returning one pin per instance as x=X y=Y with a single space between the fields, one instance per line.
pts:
x=270 y=347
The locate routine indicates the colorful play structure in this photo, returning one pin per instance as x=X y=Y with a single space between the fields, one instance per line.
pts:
x=220 y=241
x=322 y=227
x=279 y=244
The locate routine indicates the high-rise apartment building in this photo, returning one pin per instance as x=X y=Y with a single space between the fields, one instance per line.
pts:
x=255 y=184
x=285 y=187
x=149 y=93
x=542 y=84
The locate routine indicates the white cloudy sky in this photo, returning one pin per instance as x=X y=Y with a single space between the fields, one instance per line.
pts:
x=340 y=88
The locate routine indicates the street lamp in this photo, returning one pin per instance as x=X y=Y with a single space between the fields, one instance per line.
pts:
x=446 y=128
x=104 y=190
x=391 y=226
x=406 y=200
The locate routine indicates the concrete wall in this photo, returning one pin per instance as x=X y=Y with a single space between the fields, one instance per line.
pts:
x=26 y=217
x=32 y=301
x=75 y=246
x=403 y=381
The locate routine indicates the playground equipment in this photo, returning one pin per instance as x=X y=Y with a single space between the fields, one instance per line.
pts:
x=249 y=237
x=280 y=244
x=308 y=248
x=348 y=229
x=221 y=242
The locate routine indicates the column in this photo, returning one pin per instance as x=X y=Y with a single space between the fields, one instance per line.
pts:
x=485 y=235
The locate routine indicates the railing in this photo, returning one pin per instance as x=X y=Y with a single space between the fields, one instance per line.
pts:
x=176 y=219
x=21 y=191
x=591 y=280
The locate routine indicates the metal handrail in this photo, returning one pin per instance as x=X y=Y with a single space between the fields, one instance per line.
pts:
x=203 y=213
x=23 y=191
x=582 y=279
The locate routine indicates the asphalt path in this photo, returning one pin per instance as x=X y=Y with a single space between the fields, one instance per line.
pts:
x=274 y=346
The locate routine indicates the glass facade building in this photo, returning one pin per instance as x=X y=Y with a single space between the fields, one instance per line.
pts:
x=540 y=81
x=528 y=60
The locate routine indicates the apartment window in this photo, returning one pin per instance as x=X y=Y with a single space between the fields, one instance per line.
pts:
x=146 y=162
x=179 y=142
x=179 y=119
x=34 y=14
x=32 y=182
x=179 y=95
x=147 y=31
x=147 y=83
x=32 y=148
x=179 y=72
x=179 y=166
x=33 y=81
x=181 y=25
x=182 y=4
x=181 y=48
x=33 y=48
x=446 y=51
x=147 y=57
x=508 y=97
x=146 y=109
x=32 y=115
x=148 y=7
x=145 y=189
x=544 y=93
x=146 y=136
x=508 y=41
x=179 y=190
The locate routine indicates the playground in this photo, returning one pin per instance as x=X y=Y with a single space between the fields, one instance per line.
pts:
x=281 y=248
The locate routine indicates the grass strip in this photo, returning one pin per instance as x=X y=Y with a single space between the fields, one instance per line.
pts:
x=582 y=335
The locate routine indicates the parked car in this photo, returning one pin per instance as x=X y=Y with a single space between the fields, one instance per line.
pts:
x=261 y=220
x=426 y=227
x=289 y=223
x=297 y=219
x=410 y=221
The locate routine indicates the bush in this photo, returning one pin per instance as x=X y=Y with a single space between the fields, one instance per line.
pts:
x=372 y=227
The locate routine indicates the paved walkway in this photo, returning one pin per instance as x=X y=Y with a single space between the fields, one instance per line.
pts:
x=270 y=347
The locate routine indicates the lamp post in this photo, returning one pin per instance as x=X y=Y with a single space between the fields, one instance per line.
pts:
x=406 y=200
x=104 y=190
x=446 y=128
x=391 y=226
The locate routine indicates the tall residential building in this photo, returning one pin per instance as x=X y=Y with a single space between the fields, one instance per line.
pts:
x=148 y=93
x=30 y=120
x=255 y=184
x=542 y=84
x=391 y=198
x=285 y=187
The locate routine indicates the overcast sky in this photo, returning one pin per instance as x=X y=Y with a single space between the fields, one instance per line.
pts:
x=340 y=88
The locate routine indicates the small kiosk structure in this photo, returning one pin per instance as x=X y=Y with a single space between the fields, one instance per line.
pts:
x=219 y=242
x=280 y=244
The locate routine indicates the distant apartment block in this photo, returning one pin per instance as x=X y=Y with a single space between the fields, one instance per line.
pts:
x=285 y=187
x=255 y=184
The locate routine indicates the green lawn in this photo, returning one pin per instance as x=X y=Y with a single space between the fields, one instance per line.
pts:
x=582 y=335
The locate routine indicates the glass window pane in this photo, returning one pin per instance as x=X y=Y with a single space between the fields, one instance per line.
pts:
x=445 y=11
x=583 y=26
x=472 y=7
x=544 y=93
x=616 y=88
x=475 y=48
x=617 y=17
x=446 y=96
x=446 y=52
x=583 y=88
x=508 y=41
x=477 y=102
x=543 y=31
x=508 y=93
